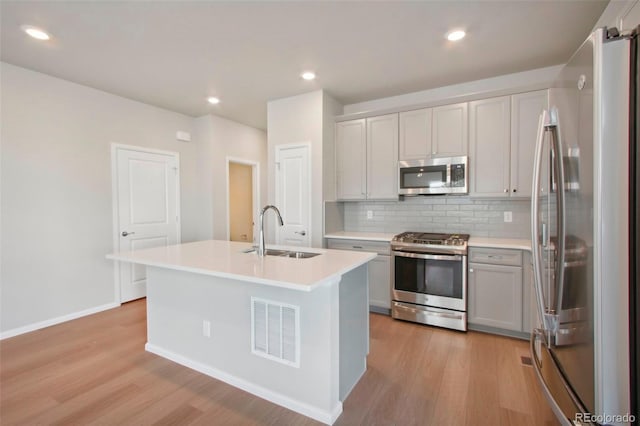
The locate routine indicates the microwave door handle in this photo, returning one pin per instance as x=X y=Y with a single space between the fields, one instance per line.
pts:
x=536 y=242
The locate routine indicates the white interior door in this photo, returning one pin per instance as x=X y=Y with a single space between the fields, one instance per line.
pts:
x=147 y=210
x=293 y=194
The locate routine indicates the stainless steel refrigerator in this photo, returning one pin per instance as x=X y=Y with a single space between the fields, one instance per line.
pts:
x=581 y=221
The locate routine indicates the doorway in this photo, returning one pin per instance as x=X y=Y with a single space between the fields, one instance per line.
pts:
x=243 y=201
x=146 y=210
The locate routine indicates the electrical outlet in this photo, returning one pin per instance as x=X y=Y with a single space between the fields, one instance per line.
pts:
x=369 y=214
x=206 y=328
x=508 y=217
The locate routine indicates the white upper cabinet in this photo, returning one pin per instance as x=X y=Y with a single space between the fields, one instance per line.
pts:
x=415 y=134
x=525 y=113
x=502 y=139
x=367 y=158
x=351 y=159
x=497 y=134
x=489 y=125
x=382 y=157
x=449 y=132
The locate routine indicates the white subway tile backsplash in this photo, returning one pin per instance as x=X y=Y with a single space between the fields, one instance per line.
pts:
x=480 y=213
x=477 y=217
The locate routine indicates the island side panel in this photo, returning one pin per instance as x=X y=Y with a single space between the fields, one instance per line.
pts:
x=354 y=328
x=179 y=302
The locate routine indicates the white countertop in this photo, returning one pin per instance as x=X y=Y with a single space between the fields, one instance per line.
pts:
x=226 y=259
x=506 y=243
x=365 y=236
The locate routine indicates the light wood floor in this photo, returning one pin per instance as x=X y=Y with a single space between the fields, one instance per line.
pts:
x=94 y=370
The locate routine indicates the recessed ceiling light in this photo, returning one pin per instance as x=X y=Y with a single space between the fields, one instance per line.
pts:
x=213 y=100
x=456 y=35
x=308 y=75
x=35 y=32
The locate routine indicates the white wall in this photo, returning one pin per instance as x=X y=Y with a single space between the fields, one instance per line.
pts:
x=220 y=138
x=56 y=190
x=622 y=14
x=56 y=207
x=496 y=86
x=302 y=119
x=631 y=18
x=330 y=109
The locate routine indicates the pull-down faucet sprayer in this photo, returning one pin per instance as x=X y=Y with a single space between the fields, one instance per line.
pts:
x=260 y=249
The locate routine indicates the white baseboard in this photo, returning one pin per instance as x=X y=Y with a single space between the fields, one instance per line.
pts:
x=326 y=417
x=54 y=321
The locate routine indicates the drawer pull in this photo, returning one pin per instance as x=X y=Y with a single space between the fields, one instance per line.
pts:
x=357 y=247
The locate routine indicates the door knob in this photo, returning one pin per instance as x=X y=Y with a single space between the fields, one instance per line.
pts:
x=303 y=233
x=125 y=233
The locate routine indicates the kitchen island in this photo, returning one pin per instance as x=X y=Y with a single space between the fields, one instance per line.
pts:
x=292 y=331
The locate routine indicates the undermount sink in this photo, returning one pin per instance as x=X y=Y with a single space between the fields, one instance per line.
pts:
x=300 y=254
x=286 y=253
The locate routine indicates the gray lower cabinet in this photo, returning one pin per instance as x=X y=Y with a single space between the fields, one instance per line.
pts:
x=495 y=289
x=380 y=282
x=529 y=304
x=379 y=269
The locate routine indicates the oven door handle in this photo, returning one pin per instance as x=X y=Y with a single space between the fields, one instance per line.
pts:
x=450 y=315
x=427 y=256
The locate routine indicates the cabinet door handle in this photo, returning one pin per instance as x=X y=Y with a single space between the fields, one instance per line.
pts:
x=506 y=190
x=125 y=233
x=514 y=190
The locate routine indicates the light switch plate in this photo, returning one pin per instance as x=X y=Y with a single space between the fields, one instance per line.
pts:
x=369 y=214
x=508 y=217
x=183 y=136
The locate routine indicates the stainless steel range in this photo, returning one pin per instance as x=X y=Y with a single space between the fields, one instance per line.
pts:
x=429 y=277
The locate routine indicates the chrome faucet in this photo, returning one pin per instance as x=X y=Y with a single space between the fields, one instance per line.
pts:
x=260 y=249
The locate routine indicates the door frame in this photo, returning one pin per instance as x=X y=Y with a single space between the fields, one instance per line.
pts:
x=255 y=183
x=115 y=147
x=279 y=149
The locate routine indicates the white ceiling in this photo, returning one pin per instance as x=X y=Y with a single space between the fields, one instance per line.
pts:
x=175 y=54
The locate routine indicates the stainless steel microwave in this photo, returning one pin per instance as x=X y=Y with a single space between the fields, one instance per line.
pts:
x=447 y=175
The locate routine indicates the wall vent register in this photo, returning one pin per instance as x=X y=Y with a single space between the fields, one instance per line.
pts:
x=275 y=331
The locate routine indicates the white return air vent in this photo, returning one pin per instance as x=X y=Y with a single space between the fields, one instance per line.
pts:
x=275 y=331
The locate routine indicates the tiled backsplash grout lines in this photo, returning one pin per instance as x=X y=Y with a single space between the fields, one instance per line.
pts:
x=478 y=217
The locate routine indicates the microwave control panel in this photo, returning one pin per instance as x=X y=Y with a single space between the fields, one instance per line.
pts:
x=457 y=175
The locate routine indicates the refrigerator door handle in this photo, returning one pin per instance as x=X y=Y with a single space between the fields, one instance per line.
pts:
x=535 y=225
x=558 y=165
x=537 y=336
